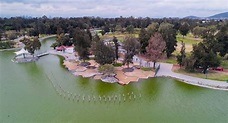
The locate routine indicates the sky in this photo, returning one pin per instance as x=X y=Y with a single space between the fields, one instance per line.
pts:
x=112 y=8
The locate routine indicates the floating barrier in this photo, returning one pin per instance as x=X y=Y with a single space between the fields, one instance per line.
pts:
x=130 y=96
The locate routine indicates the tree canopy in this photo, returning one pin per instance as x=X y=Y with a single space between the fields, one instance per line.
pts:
x=31 y=45
x=82 y=43
x=156 y=47
x=184 y=28
x=169 y=35
x=131 y=45
x=104 y=54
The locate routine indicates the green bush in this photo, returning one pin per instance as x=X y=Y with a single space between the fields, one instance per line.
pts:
x=6 y=45
x=106 y=69
x=147 y=69
x=117 y=64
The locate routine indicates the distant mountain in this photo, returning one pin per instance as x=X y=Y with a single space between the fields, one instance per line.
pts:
x=193 y=17
x=217 y=16
x=220 y=16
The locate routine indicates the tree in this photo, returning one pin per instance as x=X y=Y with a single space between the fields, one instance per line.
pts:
x=63 y=39
x=198 y=31
x=169 y=35
x=155 y=48
x=31 y=45
x=130 y=29
x=59 y=31
x=204 y=56
x=152 y=28
x=106 y=69
x=115 y=40
x=143 y=39
x=182 y=55
x=184 y=29
x=189 y=63
x=103 y=54
x=82 y=43
x=222 y=38
x=131 y=45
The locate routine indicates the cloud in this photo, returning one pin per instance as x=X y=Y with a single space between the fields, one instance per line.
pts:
x=111 y=8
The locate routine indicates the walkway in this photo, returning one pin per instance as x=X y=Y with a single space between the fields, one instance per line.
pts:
x=67 y=56
x=166 y=70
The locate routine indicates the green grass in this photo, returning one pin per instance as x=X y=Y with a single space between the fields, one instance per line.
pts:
x=120 y=36
x=220 y=76
x=188 y=39
x=224 y=64
x=171 y=60
x=147 y=69
x=117 y=64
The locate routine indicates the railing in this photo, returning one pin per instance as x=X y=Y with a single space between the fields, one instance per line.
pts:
x=42 y=54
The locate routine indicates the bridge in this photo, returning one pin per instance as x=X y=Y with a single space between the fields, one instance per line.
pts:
x=42 y=54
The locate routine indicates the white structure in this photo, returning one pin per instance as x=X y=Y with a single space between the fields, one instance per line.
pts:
x=22 y=52
x=69 y=50
x=143 y=63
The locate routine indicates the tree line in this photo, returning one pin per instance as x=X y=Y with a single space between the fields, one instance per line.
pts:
x=44 y=25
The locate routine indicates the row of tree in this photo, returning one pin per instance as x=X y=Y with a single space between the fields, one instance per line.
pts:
x=207 y=53
x=44 y=25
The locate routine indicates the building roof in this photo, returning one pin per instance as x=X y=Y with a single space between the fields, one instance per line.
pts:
x=22 y=51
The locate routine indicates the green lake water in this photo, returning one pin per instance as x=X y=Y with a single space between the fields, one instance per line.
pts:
x=27 y=95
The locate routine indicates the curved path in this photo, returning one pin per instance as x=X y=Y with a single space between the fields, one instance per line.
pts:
x=166 y=70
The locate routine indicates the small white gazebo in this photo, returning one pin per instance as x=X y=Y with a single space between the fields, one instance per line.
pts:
x=22 y=52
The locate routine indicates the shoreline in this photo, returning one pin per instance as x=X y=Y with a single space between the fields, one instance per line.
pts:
x=132 y=78
x=120 y=77
x=17 y=39
x=199 y=84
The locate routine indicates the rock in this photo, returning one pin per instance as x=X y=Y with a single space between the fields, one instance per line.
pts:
x=109 y=79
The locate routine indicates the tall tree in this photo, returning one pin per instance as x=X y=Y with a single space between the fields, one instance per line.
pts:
x=63 y=39
x=184 y=29
x=82 y=43
x=156 y=47
x=131 y=45
x=130 y=29
x=182 y=55
x=143 y=39
x=222 y=38
x=204 y=56
x=198 y=31
x=59 y=31
x=104 y=54
x=31 y=45
x=169 y=35
x=115 y=40
x=152 y=28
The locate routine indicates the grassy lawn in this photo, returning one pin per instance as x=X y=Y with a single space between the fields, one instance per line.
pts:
x=171 y=60
x=189 y=39
x=221 y=76
x=224 y=64
x=147 y=69
x=120 y=36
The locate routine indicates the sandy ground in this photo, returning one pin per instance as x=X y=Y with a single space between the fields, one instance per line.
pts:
x=123 y=77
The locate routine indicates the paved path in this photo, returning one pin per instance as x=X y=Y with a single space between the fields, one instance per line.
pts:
x=67 y=56
x=166 y=70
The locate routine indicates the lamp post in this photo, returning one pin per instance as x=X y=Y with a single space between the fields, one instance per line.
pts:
x=206 y=72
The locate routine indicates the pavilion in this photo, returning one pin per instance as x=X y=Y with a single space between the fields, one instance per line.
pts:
x=22 y=52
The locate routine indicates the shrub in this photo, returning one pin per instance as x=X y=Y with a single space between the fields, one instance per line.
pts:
x=117 y=64
x=107 y=69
